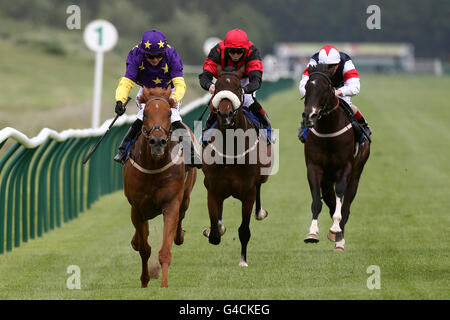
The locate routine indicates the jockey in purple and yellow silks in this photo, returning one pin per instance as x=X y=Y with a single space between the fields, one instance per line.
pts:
x=153 y=63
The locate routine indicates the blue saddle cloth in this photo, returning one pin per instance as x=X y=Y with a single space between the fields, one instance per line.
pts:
x=248 y=114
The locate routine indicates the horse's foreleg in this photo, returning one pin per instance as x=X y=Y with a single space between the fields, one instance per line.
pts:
x=139 y=243
x=179 y=237
x=335 y=234
x=244 y=228
x=171 y=217
x=314 y=179
x=217 y=228
x=260 y=213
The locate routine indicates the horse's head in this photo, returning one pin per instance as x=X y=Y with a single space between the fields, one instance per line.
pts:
x=156 y=126
x=228 y=96
x=319 y=98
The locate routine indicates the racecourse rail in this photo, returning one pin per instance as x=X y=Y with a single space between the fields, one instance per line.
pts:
x=43 y=182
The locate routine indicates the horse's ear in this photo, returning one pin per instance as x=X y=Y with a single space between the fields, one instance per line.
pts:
x=240 y=72
x=219 y=70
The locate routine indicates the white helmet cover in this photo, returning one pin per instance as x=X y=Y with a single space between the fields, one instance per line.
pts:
x=329 y=55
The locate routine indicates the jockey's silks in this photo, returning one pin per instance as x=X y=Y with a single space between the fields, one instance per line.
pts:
x=123 y=89
x=140 y=71
x=180 y=88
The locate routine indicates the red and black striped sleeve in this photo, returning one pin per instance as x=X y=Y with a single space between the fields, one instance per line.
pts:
x=210 y=67
x=254 y=69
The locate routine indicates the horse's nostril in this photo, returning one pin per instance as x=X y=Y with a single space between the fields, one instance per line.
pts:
x=152 y=141
x=163 y=142
x=230 y=114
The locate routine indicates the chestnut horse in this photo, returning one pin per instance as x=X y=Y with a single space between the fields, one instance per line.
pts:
x=334 y=160
x=237 y=171
x=157 y=181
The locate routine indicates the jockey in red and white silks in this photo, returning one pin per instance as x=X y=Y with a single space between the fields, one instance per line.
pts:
x=344 y=78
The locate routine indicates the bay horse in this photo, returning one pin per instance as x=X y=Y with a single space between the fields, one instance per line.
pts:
x=231 y=173
x=156 y=181
x=334 y=160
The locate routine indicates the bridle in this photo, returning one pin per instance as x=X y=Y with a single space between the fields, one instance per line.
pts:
x=147 y=133
x=324 y=112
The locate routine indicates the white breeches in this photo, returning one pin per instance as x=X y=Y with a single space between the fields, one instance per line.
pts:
x=248 y=97
x=175 y=111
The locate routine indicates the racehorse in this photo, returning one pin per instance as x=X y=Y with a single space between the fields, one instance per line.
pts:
x=234 y=173
x=156 y=181
x=334 y=160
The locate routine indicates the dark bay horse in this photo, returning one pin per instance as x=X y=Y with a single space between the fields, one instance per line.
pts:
x=236 y=162
x=334 y=160
x=157 y=181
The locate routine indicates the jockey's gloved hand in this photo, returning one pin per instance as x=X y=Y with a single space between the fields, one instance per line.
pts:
x=120 y=108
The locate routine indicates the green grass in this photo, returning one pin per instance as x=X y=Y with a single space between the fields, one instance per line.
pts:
x=399 y=221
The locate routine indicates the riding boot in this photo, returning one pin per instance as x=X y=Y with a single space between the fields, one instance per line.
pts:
x=261 y=114
x=191 y=159
x=365 y=126
x=132 y=133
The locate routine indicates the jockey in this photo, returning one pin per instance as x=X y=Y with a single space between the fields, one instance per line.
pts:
x=344 y=78
x=153 y=63
x=236 y=51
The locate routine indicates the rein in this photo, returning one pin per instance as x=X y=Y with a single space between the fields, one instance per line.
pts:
x=324 y=112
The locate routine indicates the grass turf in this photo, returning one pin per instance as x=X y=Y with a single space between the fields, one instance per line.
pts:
x=398 y=221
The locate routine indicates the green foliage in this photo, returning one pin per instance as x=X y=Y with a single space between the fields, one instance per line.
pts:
x=189 y=23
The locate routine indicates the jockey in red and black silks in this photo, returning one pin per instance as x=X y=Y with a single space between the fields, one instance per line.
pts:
x=236 y=51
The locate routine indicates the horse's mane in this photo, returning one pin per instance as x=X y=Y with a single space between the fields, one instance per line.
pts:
x=148 y=93
x=320 y=67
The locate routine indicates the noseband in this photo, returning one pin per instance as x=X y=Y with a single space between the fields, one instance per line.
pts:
x=235 y=110
x=147 y=133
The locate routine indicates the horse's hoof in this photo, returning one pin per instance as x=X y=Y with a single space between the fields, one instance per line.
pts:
x=311 y=238
x=335 y=236
x=262 y=214
x=164 y=285
x=338 y=249
x=213 y=240
x=206 y=232
x=243 y=263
